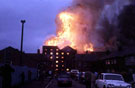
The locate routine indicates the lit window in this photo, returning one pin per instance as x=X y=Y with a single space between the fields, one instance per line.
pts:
x=51 y=57
x=62 y=61
x=62 y=57
x=68 y=53
x=62 y=65
x=45 y=53
x=57 y=61
x=51 y=49
x=56 y=69
x=51 y=53
x=56 y=65
x=57 y=49
x=57 y=53
x=62 y=53
x=67 y=69
x=45 y=49
x=57 y=57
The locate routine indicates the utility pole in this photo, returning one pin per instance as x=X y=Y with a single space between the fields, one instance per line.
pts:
x=22 y=21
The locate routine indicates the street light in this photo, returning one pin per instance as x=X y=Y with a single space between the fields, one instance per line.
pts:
x=22 y=21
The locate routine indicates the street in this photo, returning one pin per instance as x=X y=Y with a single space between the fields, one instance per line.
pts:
x=75 y=84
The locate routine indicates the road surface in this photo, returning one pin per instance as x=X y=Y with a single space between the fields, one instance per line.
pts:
x=75 y=84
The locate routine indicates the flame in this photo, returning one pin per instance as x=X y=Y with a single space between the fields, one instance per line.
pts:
x=88 y=47
x=67 y=33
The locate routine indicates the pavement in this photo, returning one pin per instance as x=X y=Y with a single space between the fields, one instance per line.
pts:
x=35 y=84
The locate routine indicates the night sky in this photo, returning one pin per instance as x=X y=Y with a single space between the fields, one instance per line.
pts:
x=40 y=22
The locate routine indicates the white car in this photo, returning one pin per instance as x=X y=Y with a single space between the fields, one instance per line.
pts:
x=111 y=80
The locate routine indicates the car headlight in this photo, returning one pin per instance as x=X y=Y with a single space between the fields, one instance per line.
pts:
x=129 y=86
x=110 y=85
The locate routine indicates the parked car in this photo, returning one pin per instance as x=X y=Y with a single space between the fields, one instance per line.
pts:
x=74 y=74
x=111 y=80
x=64 y=80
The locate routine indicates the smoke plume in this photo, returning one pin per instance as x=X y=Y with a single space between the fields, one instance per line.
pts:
x=96 y=22
x=107 y=31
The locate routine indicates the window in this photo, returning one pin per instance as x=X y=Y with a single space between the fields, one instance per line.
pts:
x=67 y=53
x=51 y=49
x=62 y=53
x=51 y=53
x=112 y=62
x=56 y=65
x=56 y=69
x=57 y=57
x=45 y=49
x=107 y=62
x=57 y=49
x=67 y=69
x=51 y=65
x=57 y=53
x=62 y=65
x=45 y=53
x=62 y=57
x=51 y=57
x=100 y=76
x=57 y=61
x=113 y=77
x=62 y=61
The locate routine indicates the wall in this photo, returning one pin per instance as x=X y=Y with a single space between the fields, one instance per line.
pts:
x=16 y=76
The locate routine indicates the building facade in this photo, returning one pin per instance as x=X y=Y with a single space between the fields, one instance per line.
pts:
x=61 y=59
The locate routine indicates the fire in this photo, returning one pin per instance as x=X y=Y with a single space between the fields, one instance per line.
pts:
x=88 y=47
x=67 y=33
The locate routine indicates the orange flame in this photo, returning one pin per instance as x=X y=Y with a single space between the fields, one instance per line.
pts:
x=66 y=34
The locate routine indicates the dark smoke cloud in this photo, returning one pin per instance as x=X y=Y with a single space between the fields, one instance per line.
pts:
x=97 y=24
x=107 y=31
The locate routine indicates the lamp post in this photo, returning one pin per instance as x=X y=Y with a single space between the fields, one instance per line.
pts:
x=22 y=21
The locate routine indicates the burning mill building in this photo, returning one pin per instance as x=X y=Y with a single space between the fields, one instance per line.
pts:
x=93 y=26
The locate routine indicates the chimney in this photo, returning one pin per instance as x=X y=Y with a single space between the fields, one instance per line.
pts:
x=38 y=51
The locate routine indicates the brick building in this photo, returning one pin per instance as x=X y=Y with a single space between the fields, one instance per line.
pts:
x=60 y=58
x=12 y=55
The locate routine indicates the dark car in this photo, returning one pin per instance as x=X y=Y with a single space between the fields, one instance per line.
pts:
x=64 y=80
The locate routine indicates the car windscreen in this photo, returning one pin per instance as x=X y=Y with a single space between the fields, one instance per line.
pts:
x=113 y=77
x=64 y=76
